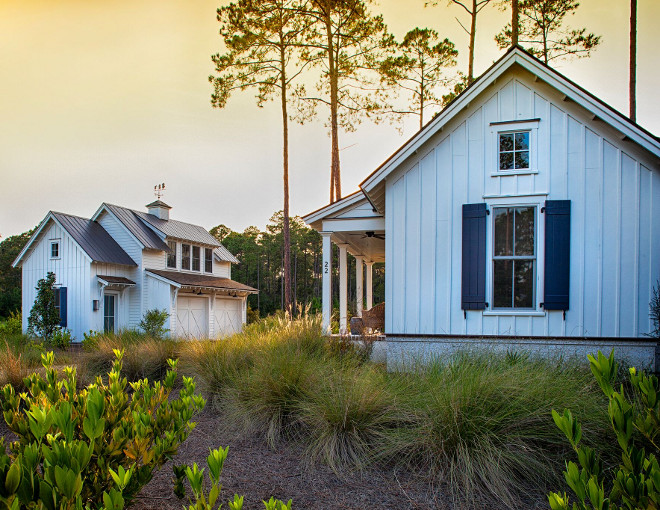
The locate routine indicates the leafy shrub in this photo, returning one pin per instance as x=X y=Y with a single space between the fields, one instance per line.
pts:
x=91 y=339
x=44 y=319
x=636 y=483
x=61 y=339
x=202 y=501
x=153 y=323
x=12 y=325
x=71 y=442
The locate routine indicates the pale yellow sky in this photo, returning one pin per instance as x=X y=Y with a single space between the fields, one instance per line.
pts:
x=102 y=100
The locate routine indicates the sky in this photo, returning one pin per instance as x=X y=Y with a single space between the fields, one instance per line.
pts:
x=101 y=100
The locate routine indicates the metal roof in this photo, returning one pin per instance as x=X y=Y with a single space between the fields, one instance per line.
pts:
x=225 y=255
x=145 y=235
x=202 y=281
x=178 y=229
x=93 y=239
x=115 y=280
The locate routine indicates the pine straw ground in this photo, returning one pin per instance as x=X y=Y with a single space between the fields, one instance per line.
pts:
x=258 y=472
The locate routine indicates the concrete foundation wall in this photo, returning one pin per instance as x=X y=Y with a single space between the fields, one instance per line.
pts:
x=405 y=352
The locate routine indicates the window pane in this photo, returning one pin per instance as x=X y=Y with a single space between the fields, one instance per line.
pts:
x=524 y=284
x=522 y=141
x=525 y=219
x=171 y=257
x=185 y=256
x=208 y=260
x=506 y=161
x=502 y=283
x=503 y=231
x=195 y=258
x=522 y=159
x=506 y=142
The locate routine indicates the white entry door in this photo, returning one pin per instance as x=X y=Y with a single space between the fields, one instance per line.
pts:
x=191 y=317
x=228 y=316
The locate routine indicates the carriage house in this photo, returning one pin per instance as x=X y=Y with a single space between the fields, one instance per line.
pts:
x=112 y=268
x=525 y=215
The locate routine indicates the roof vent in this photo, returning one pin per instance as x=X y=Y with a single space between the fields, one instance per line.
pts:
x=159 y=209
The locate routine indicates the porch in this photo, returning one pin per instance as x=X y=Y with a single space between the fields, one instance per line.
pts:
x=358 y=230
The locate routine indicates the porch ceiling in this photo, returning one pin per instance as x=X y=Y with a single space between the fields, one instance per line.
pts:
x=359 y=244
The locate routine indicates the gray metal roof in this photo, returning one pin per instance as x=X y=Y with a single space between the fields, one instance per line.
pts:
x=179 y=229
x=225 y=255
x=93 y=239
x=149 y=239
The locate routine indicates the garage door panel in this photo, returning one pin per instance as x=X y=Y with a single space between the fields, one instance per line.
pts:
x=192 y=321
x=228 y=317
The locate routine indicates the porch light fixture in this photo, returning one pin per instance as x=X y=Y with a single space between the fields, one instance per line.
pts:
x=95 y=305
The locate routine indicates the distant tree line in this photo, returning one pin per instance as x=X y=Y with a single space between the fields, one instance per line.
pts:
x=261 y=256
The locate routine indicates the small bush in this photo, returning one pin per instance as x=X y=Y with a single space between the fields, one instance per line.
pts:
x=12 y=325
x=44 y=319
x=75 y=446
x=61 y=339
x=153 y=323
x=654 y=311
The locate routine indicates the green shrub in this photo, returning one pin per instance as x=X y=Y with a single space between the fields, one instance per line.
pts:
x=61 y=339
x=636 y=424
x=153 y=323
x=654 y=311
x=44 y=318
x=12 y=325
x=71 y=442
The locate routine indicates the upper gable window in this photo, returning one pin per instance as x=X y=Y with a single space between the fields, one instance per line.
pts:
x=514 y=150
x=208 y=260
x=55 y=249
x=171 y=257
x=185 y=256
x=195 y=258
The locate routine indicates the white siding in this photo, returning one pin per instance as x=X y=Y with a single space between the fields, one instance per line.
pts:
x=128 y=298
x=71 y=271
x=222 y=269
x=614 y=188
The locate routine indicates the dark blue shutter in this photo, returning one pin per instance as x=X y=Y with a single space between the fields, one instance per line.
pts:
x=557 y=254
x=473 y=282
x=62 y=291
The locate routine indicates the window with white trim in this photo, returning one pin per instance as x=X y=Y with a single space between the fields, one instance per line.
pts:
x=171 y=256
x=514 y=257
x=208 y=260
x=513 y=150
x=196 y=251
x=55 y=249
x=185 y=256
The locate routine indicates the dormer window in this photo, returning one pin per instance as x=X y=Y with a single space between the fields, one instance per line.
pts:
x=196 y=251
x=185 y=256
x=208 y=260
x=514 y=150
x=171 y=257
x=55 y=249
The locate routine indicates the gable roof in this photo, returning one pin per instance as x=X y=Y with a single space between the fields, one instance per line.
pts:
x=225 y=255
x=514 y=56
x=145 y=236
x=91 y=237
x=179 y=229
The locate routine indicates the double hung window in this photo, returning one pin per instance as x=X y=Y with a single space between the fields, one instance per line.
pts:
x=185 y=256
x=171 y=257
x=196 y=258
x=514 y=257
x=208 y=260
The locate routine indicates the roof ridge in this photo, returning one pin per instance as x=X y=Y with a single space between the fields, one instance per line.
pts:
x=72 y=216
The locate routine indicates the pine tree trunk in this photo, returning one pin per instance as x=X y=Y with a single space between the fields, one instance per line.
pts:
x=473 y=33
x=285 y=166
x=335 y=182
x=514 y=23
x=633 y=61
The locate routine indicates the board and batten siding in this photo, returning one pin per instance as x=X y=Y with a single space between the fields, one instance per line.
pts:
x=134 y=250
x=126 y=318
x=614 y=189
x=72 y=270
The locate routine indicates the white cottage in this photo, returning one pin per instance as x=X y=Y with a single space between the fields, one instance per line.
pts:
x=112 y=268
x=526 y=214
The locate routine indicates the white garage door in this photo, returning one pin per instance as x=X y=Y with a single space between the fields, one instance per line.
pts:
x=228 y=316
x=191 y=317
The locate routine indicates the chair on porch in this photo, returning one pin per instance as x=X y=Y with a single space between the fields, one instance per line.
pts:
x=372 y=320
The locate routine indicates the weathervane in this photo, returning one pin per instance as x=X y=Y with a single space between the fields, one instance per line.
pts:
x=159 y=190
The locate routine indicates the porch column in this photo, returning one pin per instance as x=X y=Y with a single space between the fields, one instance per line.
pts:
x=370 y=287
x=326 y=270
x=359 y=297
x=343 y=289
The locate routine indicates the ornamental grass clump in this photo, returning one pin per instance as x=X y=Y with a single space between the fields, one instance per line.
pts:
x=75 y=448
x=480 y=422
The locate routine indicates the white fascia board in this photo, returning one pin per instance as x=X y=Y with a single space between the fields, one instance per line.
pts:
x=108 y=211
x=354 y=225
x=162 y=279
x=334 y=207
